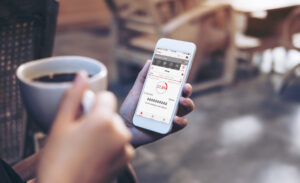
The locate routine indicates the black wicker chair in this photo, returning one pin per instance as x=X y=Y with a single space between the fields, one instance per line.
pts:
x=27 y=30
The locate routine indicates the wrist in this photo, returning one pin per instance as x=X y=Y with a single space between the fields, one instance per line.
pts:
x=26 y=168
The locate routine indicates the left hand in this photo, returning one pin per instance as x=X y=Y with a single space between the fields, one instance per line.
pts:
x=141 y=136
x=91 y=148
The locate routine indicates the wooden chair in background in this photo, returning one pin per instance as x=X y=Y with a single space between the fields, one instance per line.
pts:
x=139 y=24
x=268 y=32
x=279 y=28
x=291 y=41
x=292 y=30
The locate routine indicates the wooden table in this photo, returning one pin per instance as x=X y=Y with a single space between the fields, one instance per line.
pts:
x=249 y=6
x=82 y=14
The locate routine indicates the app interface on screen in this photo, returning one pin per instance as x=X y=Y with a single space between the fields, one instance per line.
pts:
x=163 y=85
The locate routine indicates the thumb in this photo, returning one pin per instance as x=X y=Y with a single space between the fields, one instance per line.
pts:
x=139 y=82
x=72 y=98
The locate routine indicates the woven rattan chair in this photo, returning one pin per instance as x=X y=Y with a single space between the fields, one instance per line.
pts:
x=27 y=29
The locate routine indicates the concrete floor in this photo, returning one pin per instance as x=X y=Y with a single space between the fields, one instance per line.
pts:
x=241 y=134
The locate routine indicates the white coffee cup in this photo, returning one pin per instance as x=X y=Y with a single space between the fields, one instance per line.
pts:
x=42 y=99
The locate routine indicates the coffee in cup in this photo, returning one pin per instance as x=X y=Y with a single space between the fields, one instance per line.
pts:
x=43 y=83
x=57 y=77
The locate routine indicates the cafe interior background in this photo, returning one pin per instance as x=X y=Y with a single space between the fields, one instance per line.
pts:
x=246 y=87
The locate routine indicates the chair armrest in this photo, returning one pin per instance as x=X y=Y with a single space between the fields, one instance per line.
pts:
x=137 y=19
x=162 y=1
x=130 y=15
x=191 y=15
x=129 y=11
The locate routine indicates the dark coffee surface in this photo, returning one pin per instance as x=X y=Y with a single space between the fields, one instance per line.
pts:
x=56 y=78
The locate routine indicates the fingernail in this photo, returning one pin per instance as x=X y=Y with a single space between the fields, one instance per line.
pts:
x=81 y=75
x=188 y=85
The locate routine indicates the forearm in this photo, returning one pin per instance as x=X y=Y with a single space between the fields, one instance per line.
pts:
x=26 y=168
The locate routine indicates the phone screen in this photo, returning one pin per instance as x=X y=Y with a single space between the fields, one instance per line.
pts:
x=163 y=84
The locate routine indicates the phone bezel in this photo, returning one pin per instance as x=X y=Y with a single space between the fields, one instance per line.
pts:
x=157 y=126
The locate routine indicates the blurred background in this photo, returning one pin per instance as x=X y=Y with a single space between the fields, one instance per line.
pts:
x=246 y=87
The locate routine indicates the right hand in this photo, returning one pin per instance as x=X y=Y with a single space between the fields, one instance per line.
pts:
x=141 y=136
x=93 y=148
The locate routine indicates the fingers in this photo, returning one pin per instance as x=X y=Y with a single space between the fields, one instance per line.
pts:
x=186 y=105
x=187 y=90
x=129 y=153
x=121 y=128
x=143 y=73
x=72 y=98
x=119 y=147
x=104 y=114
x=106 y=104
x=139 y=82
x=135 y=92
x=179 y=123
x=124 y=157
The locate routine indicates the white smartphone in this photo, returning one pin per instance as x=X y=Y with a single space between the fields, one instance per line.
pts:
x=158 y=102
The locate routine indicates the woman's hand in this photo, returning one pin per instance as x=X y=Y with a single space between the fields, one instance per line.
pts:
x=140 y=136
x=93 y=148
